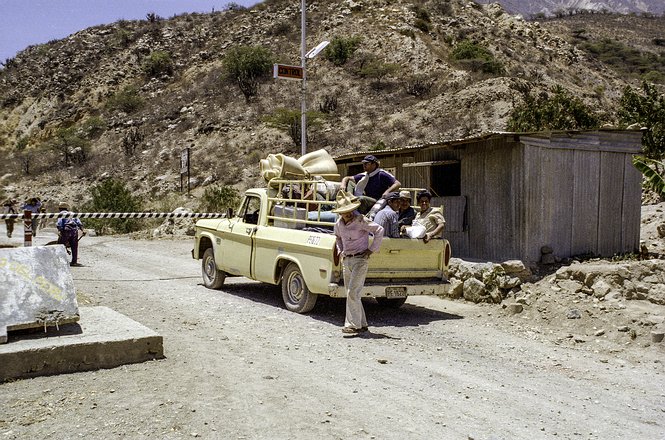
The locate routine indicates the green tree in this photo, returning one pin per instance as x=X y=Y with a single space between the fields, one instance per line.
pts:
x=218 y=198
x=557 y=110
x=247 y=66
x=93 y=127
x=341 y=49
x=288 y=121
x=647 y=108
x=23 y=153
x=654 y=174
x=113 y=196
x=71 y=145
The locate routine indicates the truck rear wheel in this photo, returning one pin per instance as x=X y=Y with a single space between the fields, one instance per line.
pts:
x=295 y=293
x=213 y=278
x=393 y=303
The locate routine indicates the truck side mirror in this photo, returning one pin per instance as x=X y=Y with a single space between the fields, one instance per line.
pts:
x=229 y=212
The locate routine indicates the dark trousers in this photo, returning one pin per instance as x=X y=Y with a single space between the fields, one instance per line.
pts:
x=71 y=240
x=10 y=227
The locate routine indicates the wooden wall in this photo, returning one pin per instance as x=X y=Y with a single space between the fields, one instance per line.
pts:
x=582 y=195
x=577 y=193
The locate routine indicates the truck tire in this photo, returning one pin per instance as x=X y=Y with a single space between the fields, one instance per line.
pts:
x=393 y=303
x=295 y=293
x=213 y=278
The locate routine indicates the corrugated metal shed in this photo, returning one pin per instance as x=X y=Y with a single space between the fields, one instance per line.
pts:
x=506 y=195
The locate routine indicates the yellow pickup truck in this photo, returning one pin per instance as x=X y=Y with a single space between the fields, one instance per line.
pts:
x=276 y=239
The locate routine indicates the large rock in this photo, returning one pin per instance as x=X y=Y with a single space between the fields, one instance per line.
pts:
x=641 y=280
x=36 y=288
x=475 y=290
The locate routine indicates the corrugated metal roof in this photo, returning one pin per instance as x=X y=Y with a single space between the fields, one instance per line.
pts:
x=388 y=151
x=461 y=141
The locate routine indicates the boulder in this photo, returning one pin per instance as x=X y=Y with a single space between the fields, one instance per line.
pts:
x=474 y=290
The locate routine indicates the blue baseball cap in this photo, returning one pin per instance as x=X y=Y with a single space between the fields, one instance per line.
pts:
x=370 y=158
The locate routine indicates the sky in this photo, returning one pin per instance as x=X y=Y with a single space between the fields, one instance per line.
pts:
x=27 y=22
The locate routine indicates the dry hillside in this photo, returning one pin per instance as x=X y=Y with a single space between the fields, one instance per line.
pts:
x=54 y=95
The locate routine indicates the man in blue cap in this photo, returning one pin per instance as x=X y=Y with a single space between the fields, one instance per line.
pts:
x=374 y=182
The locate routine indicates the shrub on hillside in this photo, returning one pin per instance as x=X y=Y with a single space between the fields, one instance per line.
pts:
x=289 y=121
x=247 y=66
x=218 y=198
x=113 y=196
x=329 y=103
x=557 y=110
x=126 y=100
x=418 y=85
x=422 y=20
x=476 y=57
x=341 y=49
x=627 y=60
x=159 y=63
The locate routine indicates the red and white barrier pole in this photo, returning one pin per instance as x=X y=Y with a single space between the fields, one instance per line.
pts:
x=27 y=228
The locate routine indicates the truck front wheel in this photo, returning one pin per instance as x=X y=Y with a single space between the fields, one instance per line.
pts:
x=213 y=278
x=297 y=297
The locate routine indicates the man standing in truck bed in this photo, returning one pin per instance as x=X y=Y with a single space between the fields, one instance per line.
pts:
x=352 y=231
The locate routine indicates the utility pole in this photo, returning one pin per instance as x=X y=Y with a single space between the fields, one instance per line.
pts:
x=303 y=88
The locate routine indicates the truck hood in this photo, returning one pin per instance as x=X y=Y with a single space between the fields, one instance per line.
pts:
x=211 y=223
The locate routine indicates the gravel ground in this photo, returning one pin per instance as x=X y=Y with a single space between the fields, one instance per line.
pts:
x=239 y=366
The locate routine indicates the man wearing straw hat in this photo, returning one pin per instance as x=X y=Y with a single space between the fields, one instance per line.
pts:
x=352 y=231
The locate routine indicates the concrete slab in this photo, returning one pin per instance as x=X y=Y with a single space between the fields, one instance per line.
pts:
x=36 y=289
x=103 y=338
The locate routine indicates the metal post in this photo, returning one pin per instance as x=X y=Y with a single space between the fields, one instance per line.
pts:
x=188 y=153
x=27 y=228
x=303 y=106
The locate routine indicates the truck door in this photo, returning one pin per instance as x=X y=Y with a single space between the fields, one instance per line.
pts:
x=237 y=255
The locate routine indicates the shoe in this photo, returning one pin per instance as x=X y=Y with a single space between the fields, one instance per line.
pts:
x=351 y=330
x=75 y=264
x=364 y=329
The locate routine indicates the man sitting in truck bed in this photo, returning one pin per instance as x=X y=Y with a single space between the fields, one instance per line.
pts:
x=374 y=183
x=431 y=218
x=388 y=217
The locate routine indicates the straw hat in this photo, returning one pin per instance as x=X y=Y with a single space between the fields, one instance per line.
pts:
x=346 y=202
x=63 y=205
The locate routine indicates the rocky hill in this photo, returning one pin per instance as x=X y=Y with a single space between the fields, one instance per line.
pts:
x=92 y=105
x=558 y=7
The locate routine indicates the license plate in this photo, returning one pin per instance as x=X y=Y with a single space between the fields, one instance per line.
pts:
x=395 y=292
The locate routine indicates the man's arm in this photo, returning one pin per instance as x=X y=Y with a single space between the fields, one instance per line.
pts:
x=345 y=182
x=394 y=187
x=439 y=228
x=377 y=231
x=429 y=235
x=339 y=244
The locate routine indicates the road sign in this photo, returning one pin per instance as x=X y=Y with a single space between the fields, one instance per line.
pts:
x=287 y=72
x=184 y=161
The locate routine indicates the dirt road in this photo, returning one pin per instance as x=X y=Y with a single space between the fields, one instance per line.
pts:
x=239 y=366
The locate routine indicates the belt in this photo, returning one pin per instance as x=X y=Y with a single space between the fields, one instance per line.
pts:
x=359 y=254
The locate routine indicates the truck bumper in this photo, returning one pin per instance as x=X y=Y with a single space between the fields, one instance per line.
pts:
x=393 y=290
